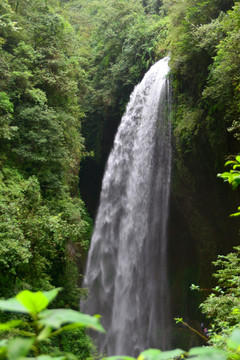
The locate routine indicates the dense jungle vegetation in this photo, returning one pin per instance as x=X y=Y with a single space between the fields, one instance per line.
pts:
x=67 y=68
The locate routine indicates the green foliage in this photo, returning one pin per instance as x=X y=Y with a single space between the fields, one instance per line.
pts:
x=46 y=324
x=6 y=110
x=41 y=85
x=205 y=70
x=76 y=342
x=233 y=176
x=35 y=236
x=188 y=128
x=125 y=42
x=222 y=306
x=224 y=71
x=43 y=324
x=196 y=353
x=64 y=63
x=44 y=224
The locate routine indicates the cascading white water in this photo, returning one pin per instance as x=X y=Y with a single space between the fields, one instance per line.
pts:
x=127 y=267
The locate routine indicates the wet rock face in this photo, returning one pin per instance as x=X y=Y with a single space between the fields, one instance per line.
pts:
x=199 y=228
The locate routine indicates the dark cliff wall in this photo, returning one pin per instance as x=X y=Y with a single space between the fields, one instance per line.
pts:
x=199 y=225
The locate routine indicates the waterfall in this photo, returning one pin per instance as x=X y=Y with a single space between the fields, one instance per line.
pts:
x=127 y=268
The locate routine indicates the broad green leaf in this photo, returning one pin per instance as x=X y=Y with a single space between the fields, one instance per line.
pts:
x=165 y=355
x=33 y=301
x=18 y=348
x=207 y=353
x=44 y=334
x=230 y=162
x=119 y=357
x=226 y=176
x=9 y=325
x=68 y=327
x=46 y=357
x=3 y=342
x=3 y=347
x=154 y=354
x=238 y=158
x=149 y=354
x=52 y=294
x=235 y=214
x=57 y=318
x=3 y=351
x=234 y=340
x=235 y=173
x=12 y=305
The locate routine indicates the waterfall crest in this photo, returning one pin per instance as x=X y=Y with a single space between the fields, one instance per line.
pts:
x=127 y=268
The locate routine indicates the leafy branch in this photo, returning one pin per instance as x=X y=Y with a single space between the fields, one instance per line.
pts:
x=232 y=177
x=180 y=321
x=46 y=323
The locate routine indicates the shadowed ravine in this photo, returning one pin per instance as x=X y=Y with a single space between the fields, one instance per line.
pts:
x=127 y=265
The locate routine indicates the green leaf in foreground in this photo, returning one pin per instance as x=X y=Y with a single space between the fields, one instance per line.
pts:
x=57 y=318
x=119 y=357
x=19 y=348
x=149 y=354
x=9 y=325
x=3 y=348
x=51 y=294
x=47 y=357
x=234 y=340
x=33 y=301
x=154 y=354
x=13 y=305
x=207 y=353
x=230 y=162
x=237 y=213
x=45 y=333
